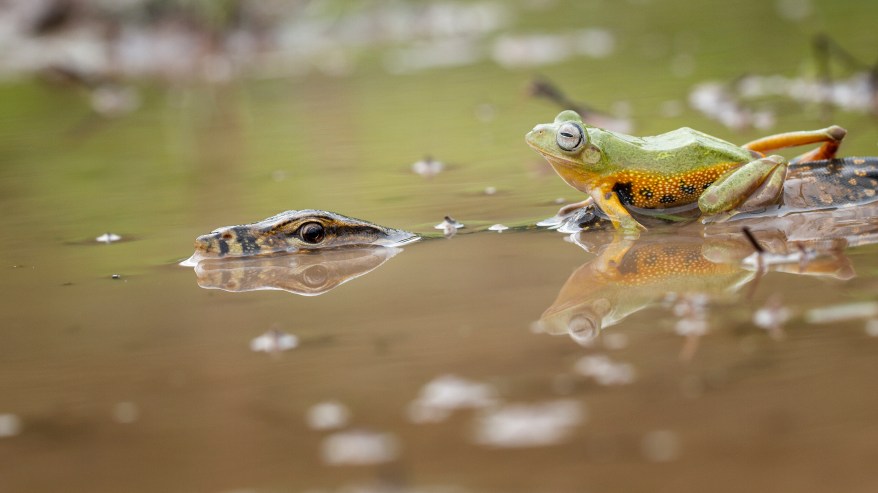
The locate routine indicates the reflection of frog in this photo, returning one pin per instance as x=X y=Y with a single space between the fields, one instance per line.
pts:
x=680 y=169
x=629 y=274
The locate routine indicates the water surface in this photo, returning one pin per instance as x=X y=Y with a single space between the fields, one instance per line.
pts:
x=146 y=381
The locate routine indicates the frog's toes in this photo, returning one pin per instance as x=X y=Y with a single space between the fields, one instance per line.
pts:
x=836 y=133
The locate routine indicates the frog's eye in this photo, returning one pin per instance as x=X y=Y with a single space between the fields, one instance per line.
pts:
x=570 y=136
x=312 y=233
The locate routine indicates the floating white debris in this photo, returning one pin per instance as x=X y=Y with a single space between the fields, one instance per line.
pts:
x=838 y=313
x=772 y=316
x=528 y=425
x=441 y=53
x=108 y=238
x=498 y=228
x=615 y=341
x=449 y=226
x=691 y=326
x=10 y=425
x=428 y=167
x=691 y=312
x=604 y=370
x=794 y=10
x=112 y=101
x=660 y=446
x=359 y=448
x=513 y=51
x=595 y=42
x=328 y=415
x=490 y=190
x=446 y=393
x=717 y=101
x=274 y=341
x=126 y=412
x=872 y=327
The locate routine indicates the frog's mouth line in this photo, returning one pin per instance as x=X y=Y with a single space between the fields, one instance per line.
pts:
x=553 y=159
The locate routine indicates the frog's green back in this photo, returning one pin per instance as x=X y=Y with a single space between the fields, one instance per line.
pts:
x=666 y=170
x=676 y=152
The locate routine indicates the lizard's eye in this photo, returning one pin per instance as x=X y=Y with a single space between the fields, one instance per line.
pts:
x=570 y=137
x=312 y=233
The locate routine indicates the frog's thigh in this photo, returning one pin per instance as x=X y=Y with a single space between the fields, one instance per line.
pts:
x=755 y=184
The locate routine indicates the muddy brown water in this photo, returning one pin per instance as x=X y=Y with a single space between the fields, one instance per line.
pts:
x=433 y=367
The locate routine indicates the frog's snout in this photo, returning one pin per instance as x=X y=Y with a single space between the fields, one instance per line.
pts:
x=535 y=135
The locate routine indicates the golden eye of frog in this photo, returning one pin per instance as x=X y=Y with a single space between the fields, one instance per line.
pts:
x=677 y=169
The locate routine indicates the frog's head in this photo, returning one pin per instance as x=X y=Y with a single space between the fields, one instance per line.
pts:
x=565 y=142
x=297 y=230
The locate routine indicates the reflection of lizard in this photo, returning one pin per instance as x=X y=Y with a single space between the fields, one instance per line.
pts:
x=306 y=274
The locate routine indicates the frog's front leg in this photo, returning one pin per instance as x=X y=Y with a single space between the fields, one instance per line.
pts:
x=756 y=184
x=609 y=202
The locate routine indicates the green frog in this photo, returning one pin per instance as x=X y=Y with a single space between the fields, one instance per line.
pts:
x=674 y=171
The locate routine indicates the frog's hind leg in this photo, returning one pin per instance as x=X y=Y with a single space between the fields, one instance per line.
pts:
x=755 y=185
x=829 y=138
